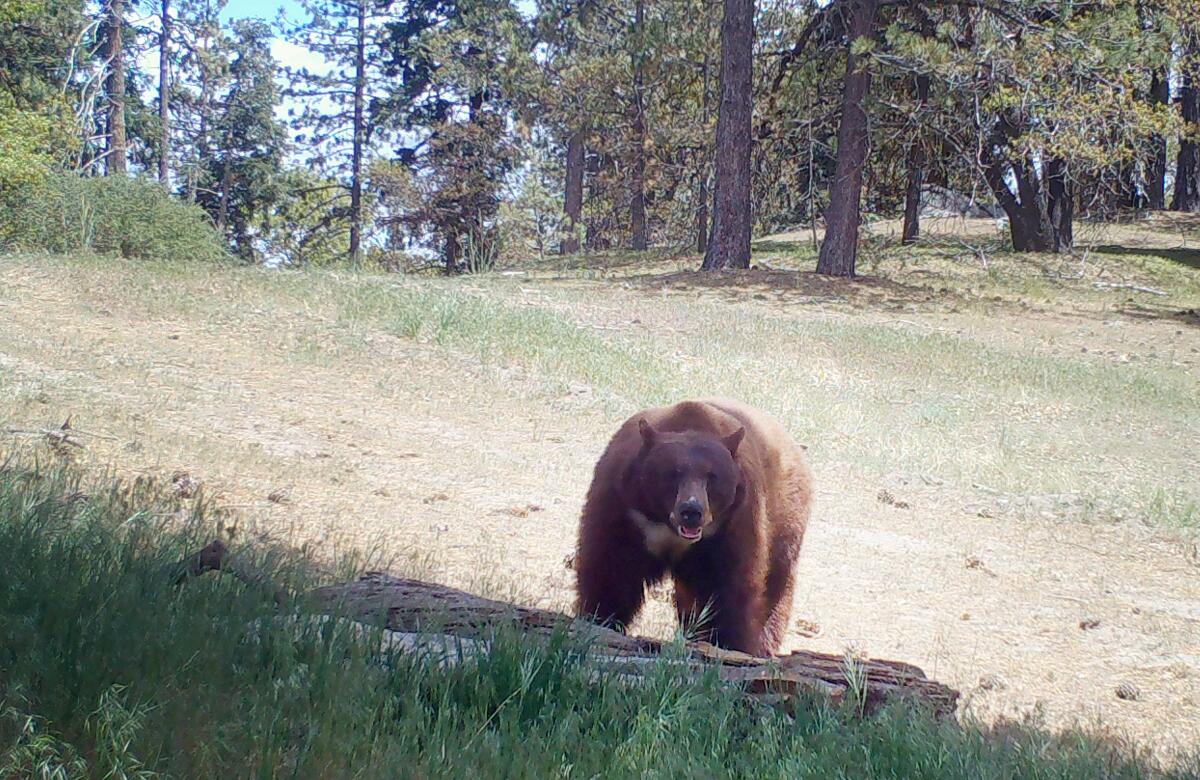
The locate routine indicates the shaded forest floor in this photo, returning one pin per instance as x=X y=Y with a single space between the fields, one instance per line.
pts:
x=1004 y=448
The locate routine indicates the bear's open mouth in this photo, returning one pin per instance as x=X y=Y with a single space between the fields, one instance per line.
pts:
x=689 y=533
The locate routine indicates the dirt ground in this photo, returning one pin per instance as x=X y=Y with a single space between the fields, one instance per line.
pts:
x=474 y=477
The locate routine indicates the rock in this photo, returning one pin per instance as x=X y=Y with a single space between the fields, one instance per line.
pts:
x=1128 y=692
x=992 y=682
x=184 y=485
x=941 y=202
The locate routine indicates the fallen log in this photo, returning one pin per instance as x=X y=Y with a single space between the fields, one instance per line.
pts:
x=416 y=614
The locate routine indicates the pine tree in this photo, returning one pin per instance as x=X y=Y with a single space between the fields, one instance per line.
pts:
x=249 y=144
x=341 y=120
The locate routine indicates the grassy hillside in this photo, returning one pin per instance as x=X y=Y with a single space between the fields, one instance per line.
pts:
x=1094 y=408
x=108 y=671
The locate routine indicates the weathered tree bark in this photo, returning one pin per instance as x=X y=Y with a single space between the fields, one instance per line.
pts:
x=729 y=244
x=1156 y=167
x=1060 y=204
x=637 y=183
x=1187 y=164
x=356 y=159
x=417 y=613
x=573 y=194
x=702 y=193
x=839 y=249
x=164 y=94
x=114 y=87
x=916 y=172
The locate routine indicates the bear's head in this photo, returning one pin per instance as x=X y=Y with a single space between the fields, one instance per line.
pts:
x=689 y=481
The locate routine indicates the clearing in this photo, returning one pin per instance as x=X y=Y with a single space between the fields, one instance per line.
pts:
x=1005 y=450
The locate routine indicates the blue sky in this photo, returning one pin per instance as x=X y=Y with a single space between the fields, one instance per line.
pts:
x=263 y=9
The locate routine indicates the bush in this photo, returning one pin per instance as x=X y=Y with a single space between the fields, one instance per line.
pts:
x=131 y=217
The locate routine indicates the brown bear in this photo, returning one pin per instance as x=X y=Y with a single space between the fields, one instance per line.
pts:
x=712 y=492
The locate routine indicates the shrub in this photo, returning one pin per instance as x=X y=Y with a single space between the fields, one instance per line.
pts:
x=131 y=217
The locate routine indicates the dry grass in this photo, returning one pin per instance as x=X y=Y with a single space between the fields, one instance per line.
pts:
x=408 y=418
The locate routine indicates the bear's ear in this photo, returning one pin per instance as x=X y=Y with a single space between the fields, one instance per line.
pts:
x=733 y=440
x=648 y=433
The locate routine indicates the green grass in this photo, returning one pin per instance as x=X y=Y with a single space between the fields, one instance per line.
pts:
x=106 y=670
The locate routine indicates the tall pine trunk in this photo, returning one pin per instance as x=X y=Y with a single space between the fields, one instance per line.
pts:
x=702 y=192
x=916 y=172
x=839 y=250
x=729 y=244
x=114 y=87
x=356 y=161
x=573 y=194
x=223 y=202
x=164 y=94
x=1156 y=168
x=204 y=109
x=637 y=185
x=1187 y=164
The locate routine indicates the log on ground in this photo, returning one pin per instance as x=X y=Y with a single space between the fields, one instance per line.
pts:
x=415 y=612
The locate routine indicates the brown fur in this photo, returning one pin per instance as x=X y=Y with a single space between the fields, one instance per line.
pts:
x=745 y=562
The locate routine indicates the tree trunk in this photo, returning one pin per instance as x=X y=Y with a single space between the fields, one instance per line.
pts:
x=1156 y=168
x=1187 y=164
x=839 y=250
x=1060 y=204
x=356 y=161
x=452 y=253
x=702 y=193
x=114 y=87
x=164 y=94
x=916 y=172
x=573 y=194
x=637 y=196
x=637 y=185
x=223 y=201
x=599 y=228
x=1028 y=220
x=729 y=245
x=203 y=108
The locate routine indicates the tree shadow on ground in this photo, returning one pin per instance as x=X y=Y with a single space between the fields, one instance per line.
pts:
x=799 y=287
x=1180 y=255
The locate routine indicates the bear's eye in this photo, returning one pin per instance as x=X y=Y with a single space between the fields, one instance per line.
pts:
x=712 y=476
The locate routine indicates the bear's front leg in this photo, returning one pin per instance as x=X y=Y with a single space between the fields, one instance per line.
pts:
x=612 y=571
x=737 y=623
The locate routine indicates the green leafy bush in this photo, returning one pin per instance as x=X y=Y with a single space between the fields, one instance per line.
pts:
x=132 y=217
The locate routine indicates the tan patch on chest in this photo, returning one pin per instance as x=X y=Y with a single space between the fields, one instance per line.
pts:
x=660 y=539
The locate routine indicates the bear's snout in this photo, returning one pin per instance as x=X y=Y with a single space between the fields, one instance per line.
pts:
x=690 y=513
